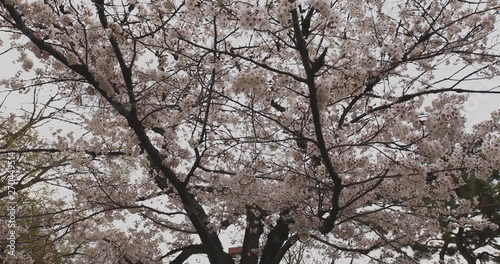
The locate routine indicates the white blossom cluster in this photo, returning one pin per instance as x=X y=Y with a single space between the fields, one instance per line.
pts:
x=253 y=18
x=283 y=9
x=323 y=7
x=491 y=152
x=188 y=103
x=254 y=82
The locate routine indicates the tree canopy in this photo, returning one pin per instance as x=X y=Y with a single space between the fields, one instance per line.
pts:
x=187 y=127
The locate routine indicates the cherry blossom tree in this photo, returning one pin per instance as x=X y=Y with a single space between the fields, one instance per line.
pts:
x=262 y=124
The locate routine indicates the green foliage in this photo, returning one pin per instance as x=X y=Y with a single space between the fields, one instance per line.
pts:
x=485 y=196
x=35 y=225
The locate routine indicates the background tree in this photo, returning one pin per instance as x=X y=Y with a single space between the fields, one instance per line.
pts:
x=474 y=242
x=26 y=165
x=22 y=145
x=273 y=122
x=36 y=220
